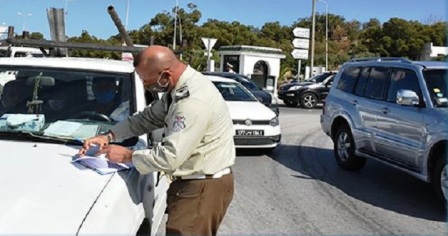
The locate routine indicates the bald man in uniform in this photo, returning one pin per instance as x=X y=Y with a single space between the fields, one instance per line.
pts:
x=197 y=150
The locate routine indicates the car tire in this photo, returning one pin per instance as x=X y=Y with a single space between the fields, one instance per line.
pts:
x=308 y=100
x=290 y=103
x=344 y=150
x=440 y=178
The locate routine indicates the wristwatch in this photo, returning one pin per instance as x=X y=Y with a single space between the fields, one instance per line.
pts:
x=109 y=135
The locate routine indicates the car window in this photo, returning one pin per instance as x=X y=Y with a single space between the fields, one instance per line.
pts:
x=402 y=79
x=234 y=92
x=362 y=80
x=65 y=95
x=249 y=84
x=376 y=84
x=437 y=83
x=348 y=79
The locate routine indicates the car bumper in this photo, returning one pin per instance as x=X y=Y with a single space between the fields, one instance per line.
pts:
x=287 y=96
x=270 y=139
x=257 y=142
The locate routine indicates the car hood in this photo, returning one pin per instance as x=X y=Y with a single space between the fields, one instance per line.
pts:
x=249 y=110
x=287 y=86
x=42 y=191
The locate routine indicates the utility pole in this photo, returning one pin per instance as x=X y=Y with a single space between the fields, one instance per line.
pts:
x=175 y=25
x=313 y=30
x=326 y=33
x=127 y=16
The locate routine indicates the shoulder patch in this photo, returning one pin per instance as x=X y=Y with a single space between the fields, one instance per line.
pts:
x=182 y=93
x=178 y=123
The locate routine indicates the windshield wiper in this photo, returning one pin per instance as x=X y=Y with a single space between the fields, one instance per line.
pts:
x=21 y=135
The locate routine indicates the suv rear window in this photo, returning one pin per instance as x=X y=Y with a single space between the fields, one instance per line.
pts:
x=377 y=82
x=348 y=79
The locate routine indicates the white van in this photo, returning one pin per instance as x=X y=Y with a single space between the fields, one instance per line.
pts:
x=12 y=51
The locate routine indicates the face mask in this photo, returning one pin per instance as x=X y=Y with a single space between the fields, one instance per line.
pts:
x=104 y=97
x=157 y=87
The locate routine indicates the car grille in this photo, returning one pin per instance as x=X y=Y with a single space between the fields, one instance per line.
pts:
x=254 y=122
x=241 y=141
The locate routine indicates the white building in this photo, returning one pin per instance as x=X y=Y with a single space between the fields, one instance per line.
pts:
x=262 y=64
x=430 y=51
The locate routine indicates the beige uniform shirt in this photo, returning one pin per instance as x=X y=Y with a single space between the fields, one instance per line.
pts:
x=198 y=130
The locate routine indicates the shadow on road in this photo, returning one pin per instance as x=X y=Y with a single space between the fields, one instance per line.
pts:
x=375 y=184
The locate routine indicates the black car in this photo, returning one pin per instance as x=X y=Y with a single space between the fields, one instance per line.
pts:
x=308 y=93
x=263 y=96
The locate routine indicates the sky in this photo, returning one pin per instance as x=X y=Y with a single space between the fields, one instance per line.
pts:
x=92 y=15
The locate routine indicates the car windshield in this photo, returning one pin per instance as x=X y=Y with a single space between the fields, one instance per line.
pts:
x=61 y=103
x=249 y=84
x=318 y=78
x=234 y=92
x=437 y=83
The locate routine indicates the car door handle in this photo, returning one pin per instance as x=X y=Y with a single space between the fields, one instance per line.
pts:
x=385 y=110
x=355 y=102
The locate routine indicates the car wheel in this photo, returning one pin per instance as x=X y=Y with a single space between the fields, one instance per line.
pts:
x=291 y=103
x=344 y=150
x=308 y=100
x=440 y=178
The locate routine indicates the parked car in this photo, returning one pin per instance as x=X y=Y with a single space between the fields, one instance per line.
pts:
x=263 y=96
x=307 y=93
x=43 y=191
x=392 y=110
x=256 y=126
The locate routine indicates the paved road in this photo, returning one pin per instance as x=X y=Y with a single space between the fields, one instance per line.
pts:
x=299 y=190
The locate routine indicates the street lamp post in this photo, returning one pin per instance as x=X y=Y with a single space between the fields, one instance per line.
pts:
x=326 y=33
x=313 y=30
x=23 y=19
x=66 y=5
x=175 y=25
x=127 y=16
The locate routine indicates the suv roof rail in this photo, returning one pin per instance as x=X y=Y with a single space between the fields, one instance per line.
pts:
x=379 y=59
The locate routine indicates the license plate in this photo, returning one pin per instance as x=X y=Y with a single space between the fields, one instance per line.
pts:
x=249 y=132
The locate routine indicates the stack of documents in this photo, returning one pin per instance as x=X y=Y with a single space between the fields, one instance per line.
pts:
x=100 y=163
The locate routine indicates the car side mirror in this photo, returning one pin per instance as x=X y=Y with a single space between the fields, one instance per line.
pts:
x=407 y=97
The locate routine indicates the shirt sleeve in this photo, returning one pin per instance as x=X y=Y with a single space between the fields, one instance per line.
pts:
x=186 y=128
x=151 y=118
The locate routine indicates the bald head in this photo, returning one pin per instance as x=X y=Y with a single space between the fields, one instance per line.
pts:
x=155 y=60
x=156 y=56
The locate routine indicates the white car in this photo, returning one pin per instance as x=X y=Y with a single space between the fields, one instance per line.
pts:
x=255 y=125
x=42 y=191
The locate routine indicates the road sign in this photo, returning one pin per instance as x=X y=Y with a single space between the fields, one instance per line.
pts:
x=300 y=53
x=301 y=43
x=208 y=43
x=301 y=32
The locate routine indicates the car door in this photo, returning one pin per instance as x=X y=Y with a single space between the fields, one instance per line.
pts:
x=371 y=87
x=400 y=128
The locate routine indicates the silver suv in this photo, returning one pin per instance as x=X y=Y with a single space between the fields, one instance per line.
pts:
x=392 y=110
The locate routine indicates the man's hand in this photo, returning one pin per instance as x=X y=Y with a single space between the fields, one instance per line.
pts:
x=116 y=153
x=100 y=140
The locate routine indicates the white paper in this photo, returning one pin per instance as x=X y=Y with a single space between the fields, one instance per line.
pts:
x=62 y=128
x=18 y=119
x=100 y=163
x=85 y=131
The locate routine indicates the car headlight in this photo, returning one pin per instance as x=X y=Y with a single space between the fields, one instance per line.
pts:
x=293 y=88
x=274 y=121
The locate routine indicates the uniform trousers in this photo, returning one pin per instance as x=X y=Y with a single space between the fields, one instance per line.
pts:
x=197 y=207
